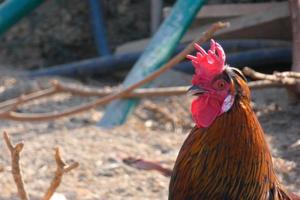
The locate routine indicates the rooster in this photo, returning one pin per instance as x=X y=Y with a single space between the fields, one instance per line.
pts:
x=225 y=157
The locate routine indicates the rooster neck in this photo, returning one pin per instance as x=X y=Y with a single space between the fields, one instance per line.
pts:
x=236 y=131
x=228 y=160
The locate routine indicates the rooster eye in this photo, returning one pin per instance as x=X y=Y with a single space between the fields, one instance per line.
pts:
x=219 y=84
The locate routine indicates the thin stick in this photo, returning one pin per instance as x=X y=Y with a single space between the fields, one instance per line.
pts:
x=51 y=116
x=284 y=78
x=264 y=84
x=275 y=80
x=16 y=172
x=288 y=74
x=61 y=169
x=29 y=97
x=14 y=103
x=257 y=75
x=87 y=92
x=137 y=93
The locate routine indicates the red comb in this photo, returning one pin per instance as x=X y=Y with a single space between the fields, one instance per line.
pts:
x=207 y=64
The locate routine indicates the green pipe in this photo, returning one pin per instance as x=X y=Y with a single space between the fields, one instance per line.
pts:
x=158 y=52
x=11 y=11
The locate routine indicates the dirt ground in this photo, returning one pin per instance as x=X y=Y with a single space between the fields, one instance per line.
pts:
x=149 y=134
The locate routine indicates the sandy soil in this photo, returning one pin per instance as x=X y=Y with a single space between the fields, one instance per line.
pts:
x=149 y=134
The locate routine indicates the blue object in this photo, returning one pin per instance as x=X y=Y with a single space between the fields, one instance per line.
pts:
x=109 y=64
x=11 y=11
x=261 y=57
x=155 y=55
x=98 y=27
x=101 y=65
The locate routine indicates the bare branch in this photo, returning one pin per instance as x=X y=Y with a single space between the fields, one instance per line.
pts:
x=61 y=169
x=257 y=75
x=16 y=172
x=267 y=81
x=137 y=93
x=285 y=78
x=290 y=74
x=264 y=84
x=85 y=91
x=123 y=92
x=29 y=97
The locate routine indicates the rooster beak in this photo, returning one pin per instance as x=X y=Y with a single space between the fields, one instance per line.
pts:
x=195 y=91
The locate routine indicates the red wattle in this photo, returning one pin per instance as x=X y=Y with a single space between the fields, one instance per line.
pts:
x=205 y=110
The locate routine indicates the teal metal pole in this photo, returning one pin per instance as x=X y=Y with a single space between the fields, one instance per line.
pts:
x=155 y=55
x=11 y=11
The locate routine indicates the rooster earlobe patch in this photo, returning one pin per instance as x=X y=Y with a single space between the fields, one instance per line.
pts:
x=227 y=103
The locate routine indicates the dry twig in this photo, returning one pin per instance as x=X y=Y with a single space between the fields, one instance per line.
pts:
x=282 y=78
x=61 y=169
x=87 y=92
x=16 y=171
x=290 y=74
x=10 y=114
x=260 y=84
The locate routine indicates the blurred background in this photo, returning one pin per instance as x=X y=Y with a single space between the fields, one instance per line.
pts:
x=94 y=44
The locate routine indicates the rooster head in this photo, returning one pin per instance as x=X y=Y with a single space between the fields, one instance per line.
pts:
x=213 y=83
